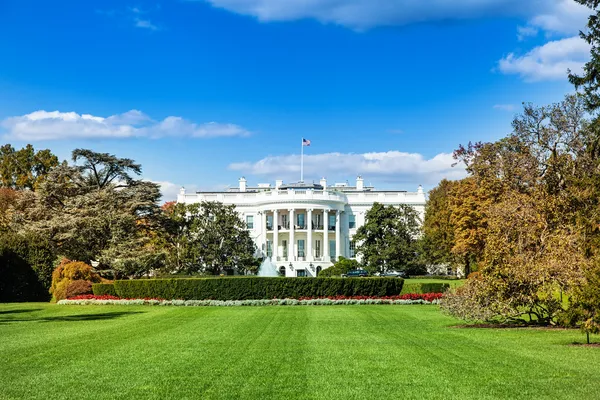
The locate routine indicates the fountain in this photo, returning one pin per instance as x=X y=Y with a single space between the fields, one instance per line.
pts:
x=268 y=268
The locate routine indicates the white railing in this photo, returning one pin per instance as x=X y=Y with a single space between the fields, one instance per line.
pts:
x=267 y=196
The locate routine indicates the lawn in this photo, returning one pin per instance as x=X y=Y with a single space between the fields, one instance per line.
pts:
x=329 y=352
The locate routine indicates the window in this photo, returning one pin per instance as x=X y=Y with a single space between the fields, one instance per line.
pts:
x=317 y=248
x=301 y=248
x=352 y=249
x=284 y=221
x=332 y=249
x=284 y=245
x=300 y=221
x=319 y=219
x=351 y=221
x=269 y=248
x=269 y=222
x=331 y=222
x=250 y=221
x=300 y=272
x=282 y=271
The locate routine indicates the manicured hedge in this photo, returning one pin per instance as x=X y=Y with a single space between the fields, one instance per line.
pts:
x=103 y=289
x=425 y=288
x=444 y=277
x=255 y=288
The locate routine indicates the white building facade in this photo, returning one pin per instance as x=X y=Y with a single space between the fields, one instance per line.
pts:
x=304 y=227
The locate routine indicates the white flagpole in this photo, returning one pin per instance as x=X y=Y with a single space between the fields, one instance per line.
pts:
x=302 y=160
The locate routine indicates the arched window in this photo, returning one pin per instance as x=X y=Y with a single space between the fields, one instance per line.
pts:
x=319 y=270
x=282 y=271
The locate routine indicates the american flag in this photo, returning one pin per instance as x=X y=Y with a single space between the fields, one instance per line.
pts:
x=305 y=142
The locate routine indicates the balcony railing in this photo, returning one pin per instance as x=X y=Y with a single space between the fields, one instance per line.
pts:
x=289 y=195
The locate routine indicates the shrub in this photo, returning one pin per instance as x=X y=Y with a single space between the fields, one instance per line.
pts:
x=68 y=271
x=444 y=277
x=104 y=289
x=425 y=288
x=342 y=266
x=78 y=287
x=584 y=307
x=254 y=288
x=25 y=268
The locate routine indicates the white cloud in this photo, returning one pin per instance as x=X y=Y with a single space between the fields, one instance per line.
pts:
x=170 y=190
x=364 y=14
x=548 y=62
x=55 y=125
x=524 y=32
x=391 y=166
x=146 y=24
x=561 y=17
x=505 y=107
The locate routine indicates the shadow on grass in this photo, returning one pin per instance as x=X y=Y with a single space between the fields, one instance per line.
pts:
x=23 y=310
x=74 y=318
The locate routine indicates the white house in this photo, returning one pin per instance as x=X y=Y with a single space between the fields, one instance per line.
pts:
x=304 y=227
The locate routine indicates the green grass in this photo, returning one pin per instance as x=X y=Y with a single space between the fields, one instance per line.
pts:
x=336 y=352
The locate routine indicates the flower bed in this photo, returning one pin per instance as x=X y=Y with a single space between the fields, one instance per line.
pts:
x=412 y=298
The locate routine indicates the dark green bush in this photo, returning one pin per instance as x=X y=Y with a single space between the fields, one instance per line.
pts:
x=254 y=288
x=423 y=288
x=434 y=287
x=444 y=277
x=26 y=265
x=103 y=289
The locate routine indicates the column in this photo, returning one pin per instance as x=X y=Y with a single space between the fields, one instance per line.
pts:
x=338 y=241
x=309 y=254
x=325 y=236
x=291 y=244
x=275 y=235
x=264 y=229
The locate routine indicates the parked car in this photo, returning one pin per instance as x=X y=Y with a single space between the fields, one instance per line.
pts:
x=356 y=273
x=396 y=274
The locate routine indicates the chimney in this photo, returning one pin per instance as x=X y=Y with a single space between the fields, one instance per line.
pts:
x=278 y=183
x=323 y=183
x=360 y=183
x=181 y=196
x=242 y=184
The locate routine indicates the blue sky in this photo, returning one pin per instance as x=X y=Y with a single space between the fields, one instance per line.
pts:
x=203 y=92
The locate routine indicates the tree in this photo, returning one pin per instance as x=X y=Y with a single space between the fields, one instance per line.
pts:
x=388 y=239
x=438 y=230
x=534 y=228
x=341 y=266
x=590 y=80
x=102 y=169
x=210 y=238
x=97 y=211
x=469 y=203
x=584 y=307
x=25 y=168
